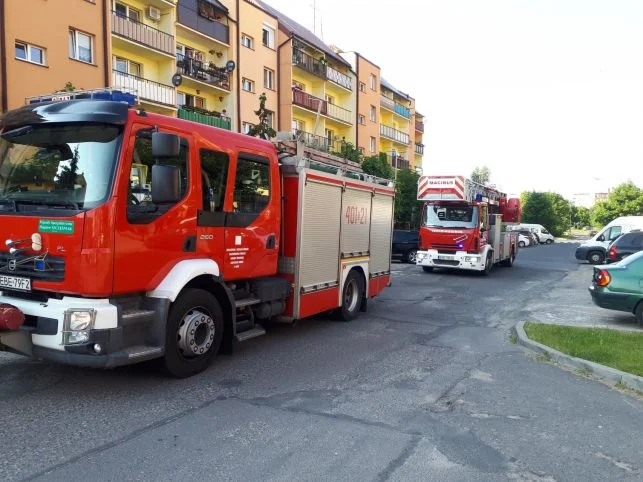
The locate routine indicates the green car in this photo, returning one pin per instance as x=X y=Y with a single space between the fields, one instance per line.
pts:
x=620 y=286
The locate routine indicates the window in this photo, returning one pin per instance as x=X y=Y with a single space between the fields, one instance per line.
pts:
x=245 y=127
x=362 y=87
x=330 y=99
x=362 y=119
x=268 y=36
x=128 y=67
x=373 y=115
x=190 y=100
x=247 y=41
x=140 y=208
x=373 y=82
x=269 y=79
x=372 y=145
x=123 y=10
x=81 y=46
x=330 y=135
x=251 y=186
x=298 y=125
x=247 y=85
x=30 y=53
x=214 y=175
x=270 y=118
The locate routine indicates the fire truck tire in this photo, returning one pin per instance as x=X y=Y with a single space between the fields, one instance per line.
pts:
x=194 y=333
x=428 y=269
x=488 y=266
x=509 y=262
x=352 y=296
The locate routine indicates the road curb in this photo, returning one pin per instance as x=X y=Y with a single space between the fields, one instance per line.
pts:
x=631 y=381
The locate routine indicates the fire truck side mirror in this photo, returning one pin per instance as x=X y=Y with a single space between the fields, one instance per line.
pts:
x=166 y=184
x=165 y=145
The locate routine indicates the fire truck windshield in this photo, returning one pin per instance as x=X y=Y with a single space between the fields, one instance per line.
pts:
x=61 y=166
x=451 y=216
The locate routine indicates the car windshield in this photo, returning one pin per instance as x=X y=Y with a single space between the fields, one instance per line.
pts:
x=62 y=166
x=451 y=216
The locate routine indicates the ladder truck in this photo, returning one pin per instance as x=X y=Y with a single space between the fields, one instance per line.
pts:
x=128 y=236
x=464 y=225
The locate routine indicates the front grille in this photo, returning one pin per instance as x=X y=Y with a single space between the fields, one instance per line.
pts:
x=451 y=247
x=446 y=262
x=52 y=267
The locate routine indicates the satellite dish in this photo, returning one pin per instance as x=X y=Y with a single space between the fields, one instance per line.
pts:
x=176 y=80
x=230 y=66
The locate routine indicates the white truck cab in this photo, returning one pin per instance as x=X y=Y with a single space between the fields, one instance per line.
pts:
x=595 y=249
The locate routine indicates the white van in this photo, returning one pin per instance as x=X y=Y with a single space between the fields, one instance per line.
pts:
x=595 y=249
x=544 y=236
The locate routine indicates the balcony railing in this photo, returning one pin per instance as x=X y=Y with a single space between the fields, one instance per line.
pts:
x=398 y=162
x=142 y=34
x=318 y=142
x=146 y=89
x=307 y=101
x=403 y=111
x=339 y=78
x=188 y=15
x=340 y=113
x=309 y=64
x=419 y=126
x=393 y=134
x=419 y=149
x=202 y=118
x=205 y=72
x=386 y=102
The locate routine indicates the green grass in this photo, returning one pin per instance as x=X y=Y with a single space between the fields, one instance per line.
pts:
x=617 y=349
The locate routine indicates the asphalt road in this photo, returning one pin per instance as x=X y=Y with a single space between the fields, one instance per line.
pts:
x=426 y=386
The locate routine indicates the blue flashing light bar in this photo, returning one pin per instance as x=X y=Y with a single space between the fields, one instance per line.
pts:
x=114 y=95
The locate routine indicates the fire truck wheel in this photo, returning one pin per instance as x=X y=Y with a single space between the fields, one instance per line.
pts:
x=488 y=266
x=428 y=269
x=352 y=296
x=193 y=334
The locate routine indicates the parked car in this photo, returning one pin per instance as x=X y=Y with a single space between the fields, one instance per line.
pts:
x=533 y=238
x=595 y=250
x=524 y=240
x=619 y=287
x=624 y=246
x=405 y=245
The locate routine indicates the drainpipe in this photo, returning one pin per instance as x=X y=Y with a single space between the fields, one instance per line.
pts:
x=357 y=57
x=3 y=59
x=106 y=41
x=279 y=80
x=238 y=55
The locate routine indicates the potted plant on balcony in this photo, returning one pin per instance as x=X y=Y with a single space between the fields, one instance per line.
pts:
x=206 y=10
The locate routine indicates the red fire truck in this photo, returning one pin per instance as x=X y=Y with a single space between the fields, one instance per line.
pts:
x=128 y=236
x=464 y=225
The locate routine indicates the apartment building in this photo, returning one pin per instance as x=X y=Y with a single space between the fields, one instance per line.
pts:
x=418 y=125
x=48 y=48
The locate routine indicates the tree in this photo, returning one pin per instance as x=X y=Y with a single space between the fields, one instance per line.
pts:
x=262 y=129
x=626 y=199
x=546 y=208
x=407 y=207
x=349 y=151
x=481 y=175
x=378 y=166
x=581 y=216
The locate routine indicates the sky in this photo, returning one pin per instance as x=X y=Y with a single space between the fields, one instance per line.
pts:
x=547 y=93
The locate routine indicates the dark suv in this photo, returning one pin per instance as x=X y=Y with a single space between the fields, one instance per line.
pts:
x=624 y=245
x=405 y=245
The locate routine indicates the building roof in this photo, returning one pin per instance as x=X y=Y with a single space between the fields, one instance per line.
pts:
x=302 y=32
x=390 y=87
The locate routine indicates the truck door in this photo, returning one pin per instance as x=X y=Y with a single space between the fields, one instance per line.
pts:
x=253 y=222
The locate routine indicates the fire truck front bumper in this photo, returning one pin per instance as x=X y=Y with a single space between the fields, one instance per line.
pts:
x=459 y=260
x=75 y=331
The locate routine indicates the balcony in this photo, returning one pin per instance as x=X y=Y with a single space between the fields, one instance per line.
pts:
x=340 y=79
x=196 y=14
x=142 y=34
x=317 y=142
x=203 y=72
x=419 y=126
x=309 y=64
x=398 y=162
x=387 y=103
x=310 y=102
x=339 y=113
x=204 y=117
x=146 y=89
x=393 y=134
x=403 y=111
x=419 y=149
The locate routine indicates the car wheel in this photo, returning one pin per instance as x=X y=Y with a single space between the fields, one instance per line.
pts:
x=639 y=313
x=411 y=256
x=596 y=257
x=352 y=296
x=521 y=244
x=194 y=333
x=549 y=241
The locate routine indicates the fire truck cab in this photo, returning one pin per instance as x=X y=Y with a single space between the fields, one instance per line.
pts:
x=129 y=236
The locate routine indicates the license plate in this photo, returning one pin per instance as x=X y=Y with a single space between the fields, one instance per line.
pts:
x=446 y=258
x=15 y=283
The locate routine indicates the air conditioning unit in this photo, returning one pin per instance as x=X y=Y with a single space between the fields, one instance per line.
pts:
x=153 y=13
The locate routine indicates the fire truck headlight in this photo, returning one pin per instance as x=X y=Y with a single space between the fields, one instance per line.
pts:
x=80 y=320
x=77 y=325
